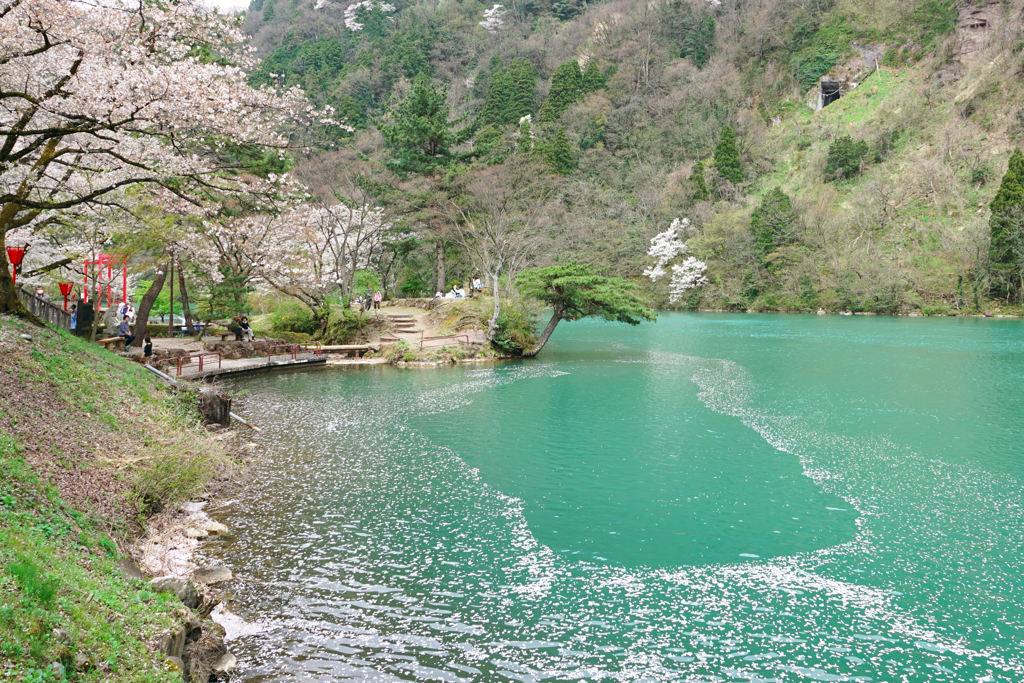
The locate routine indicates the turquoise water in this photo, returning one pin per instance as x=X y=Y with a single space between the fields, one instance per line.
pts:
x=710 y=498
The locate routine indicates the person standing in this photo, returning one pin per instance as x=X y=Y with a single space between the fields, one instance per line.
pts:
x=125 y=331
x=367 y=299
x=147 y=352
x=74 y=317
x=377 y=296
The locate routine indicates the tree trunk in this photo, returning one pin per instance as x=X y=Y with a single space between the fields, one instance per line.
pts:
x=170 y=281
x=556 y=317
x=439 y=248
x=148 y=299
x=185 y=310
x=492 y=325
x=9 y=301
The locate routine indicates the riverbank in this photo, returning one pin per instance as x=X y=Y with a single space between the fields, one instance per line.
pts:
x=96 y=458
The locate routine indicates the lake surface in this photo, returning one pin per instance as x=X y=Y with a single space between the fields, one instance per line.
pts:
x=713 y=497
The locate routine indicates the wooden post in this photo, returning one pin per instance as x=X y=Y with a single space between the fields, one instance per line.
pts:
x=215 y=408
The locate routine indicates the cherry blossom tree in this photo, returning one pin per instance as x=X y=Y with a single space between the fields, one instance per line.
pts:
x=100 y=95
x=666 y=247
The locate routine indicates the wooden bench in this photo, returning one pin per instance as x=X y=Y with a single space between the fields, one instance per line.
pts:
x=112 y=343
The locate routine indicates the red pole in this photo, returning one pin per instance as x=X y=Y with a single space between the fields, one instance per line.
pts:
x=124 y=283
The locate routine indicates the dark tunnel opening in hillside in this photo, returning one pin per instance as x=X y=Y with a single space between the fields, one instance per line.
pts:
x=830 y=92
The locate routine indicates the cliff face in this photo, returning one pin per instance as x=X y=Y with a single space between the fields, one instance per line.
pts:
x=927 y=90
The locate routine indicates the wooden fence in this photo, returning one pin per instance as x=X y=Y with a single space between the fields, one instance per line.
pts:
x=44 y=310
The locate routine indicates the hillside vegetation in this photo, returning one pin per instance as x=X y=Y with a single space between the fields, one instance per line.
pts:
x=878 y=202
x=90 y=445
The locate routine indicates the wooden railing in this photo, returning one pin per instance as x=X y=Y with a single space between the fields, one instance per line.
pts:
x=46 y=311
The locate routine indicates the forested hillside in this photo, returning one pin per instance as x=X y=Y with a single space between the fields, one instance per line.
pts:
x=879 y=201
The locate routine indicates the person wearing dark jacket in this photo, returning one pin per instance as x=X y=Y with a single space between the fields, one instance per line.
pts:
x=125 y=330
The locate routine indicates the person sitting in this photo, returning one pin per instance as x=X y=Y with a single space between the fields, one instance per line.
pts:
x=477 y=285
x=124 y=330
x=438 y=294
x=247 y=333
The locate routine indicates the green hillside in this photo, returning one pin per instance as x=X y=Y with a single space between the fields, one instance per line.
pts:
x=887 y=189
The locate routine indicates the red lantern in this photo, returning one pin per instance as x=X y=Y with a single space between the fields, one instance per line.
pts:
x=65 y=289
x=15 y=255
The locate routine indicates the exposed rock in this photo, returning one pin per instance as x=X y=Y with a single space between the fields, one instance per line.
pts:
x=58 y=670
x=225 y=664
x=212 y=575
x=172 y=643
x=82 y=662
x=182 y=588
x=196 y=533
x=129 y=569
x=174 y=664
x=217 y=529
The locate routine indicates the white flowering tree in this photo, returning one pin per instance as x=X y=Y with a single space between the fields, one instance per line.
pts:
x=100 y=95
x=352 y=12
x=668 y=246
x=493 y=19
x=310 y=252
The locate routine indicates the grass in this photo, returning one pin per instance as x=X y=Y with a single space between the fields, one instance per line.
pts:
x=89 y=444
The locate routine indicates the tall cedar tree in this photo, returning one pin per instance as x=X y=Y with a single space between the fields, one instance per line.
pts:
x=772 y=221
x=566 y=88
x=560 y=154
x=499 y=97
x=844 y=158
x=699 y=41
x=525 y=86
x=593 y=79
x=697 y=182
x=727 y=156
x=421 y=134
x=511 y=95
x=575 y=291
x=1007 y=205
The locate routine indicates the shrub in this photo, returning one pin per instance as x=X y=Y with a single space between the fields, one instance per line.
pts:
x=293 y=317
x=516 y=329
x=844 y=158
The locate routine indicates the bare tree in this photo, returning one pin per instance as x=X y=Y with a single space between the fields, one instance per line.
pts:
x=501 y=220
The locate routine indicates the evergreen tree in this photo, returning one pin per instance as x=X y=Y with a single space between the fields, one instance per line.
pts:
x=500 y=97
x=420 y=133
x=844 y=158
x=567 y=9
x=699 y=41
x=727 y=156
x=1007 y=208
x=525 y=87
x=559 y=154
x=525 y=136
x=772 y=221
x=574 y=291
x=593 y=79
x=700 y=187
x=566 y=88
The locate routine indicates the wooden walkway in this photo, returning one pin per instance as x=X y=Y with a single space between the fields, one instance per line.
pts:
x=249 y=365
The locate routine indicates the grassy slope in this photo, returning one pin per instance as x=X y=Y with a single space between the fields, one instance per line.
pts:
x=84 y=435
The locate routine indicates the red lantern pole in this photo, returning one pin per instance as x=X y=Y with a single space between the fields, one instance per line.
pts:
x=15 y=256
x=65 y=289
